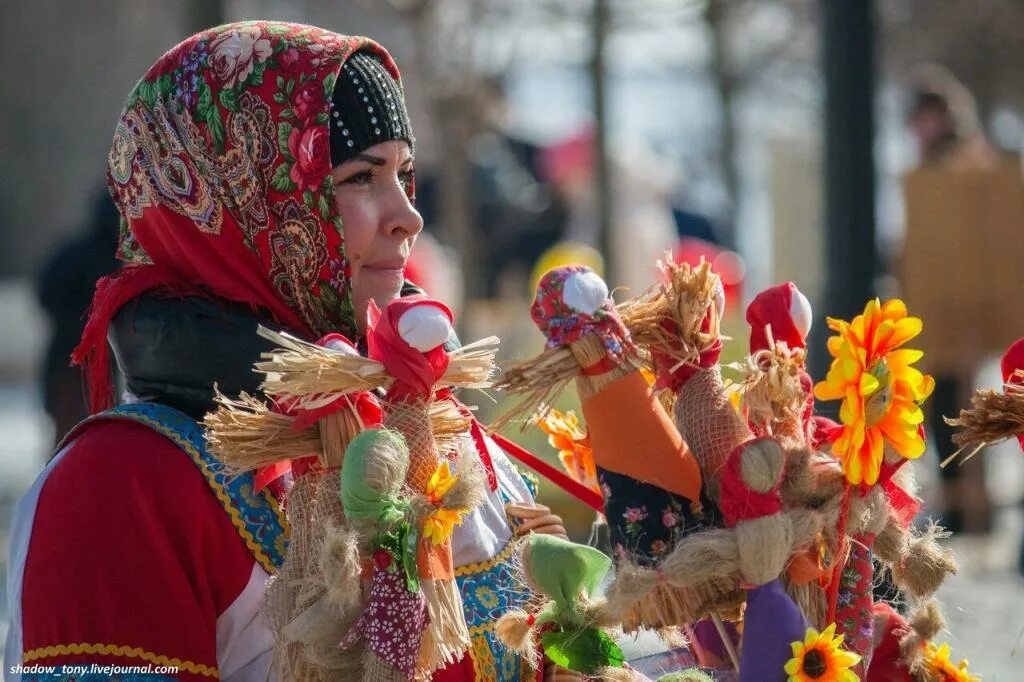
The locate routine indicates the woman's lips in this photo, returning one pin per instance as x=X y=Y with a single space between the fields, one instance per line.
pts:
x=396 y=265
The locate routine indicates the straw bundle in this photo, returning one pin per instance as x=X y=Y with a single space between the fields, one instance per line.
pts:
x=247 y=435
x=772 y=396
x=539 y=380
x=313 y=376
x=993 y=417
x=669 y=318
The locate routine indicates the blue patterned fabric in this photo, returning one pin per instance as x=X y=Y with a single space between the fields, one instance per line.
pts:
x=257 y=517
x=490 y=590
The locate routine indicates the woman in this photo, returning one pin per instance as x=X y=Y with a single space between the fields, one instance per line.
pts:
x=264 y=172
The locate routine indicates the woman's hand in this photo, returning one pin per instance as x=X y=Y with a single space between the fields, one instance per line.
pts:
x=535 y=518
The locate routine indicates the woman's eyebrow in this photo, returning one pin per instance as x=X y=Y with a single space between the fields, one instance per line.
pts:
x=368 y=158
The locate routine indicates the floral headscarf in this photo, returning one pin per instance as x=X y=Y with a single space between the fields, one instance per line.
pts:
x=220 y=166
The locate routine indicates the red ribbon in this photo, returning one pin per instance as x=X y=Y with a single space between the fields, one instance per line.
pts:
x=415 y=372
x=484 y=453
x=562 y=480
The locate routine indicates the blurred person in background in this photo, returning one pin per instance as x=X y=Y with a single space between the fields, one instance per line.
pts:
x=516 y=213
x=65 y=287
x=643 y=227
x=265 y=172
x=949 y=267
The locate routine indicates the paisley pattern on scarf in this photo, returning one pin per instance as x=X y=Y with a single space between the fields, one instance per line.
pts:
x=222 y=154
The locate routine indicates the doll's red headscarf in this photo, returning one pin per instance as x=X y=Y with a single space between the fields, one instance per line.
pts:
x=220 y=167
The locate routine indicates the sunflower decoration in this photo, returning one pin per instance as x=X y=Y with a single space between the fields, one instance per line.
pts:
x=440 y=523
x=936 y=660
x=821 y=658
x=881 y=392
x=573 y=445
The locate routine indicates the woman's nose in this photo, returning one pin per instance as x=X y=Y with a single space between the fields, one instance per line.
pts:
x=404 y=219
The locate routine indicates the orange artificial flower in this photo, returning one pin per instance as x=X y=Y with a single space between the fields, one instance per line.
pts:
x=573 y=445
x=937 y=660
x=881 y=392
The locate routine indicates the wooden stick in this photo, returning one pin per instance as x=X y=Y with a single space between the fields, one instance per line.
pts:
x=726 y=640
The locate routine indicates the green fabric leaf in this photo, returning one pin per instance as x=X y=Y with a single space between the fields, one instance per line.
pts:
x=229 y=99
x=147 y=93
x=289 y=86
x=321 y=118
x=281 y=181
x=585 y=651
x=284 y=129
x=255 y=78
x=205 y=100
x=329 y=86
x=279 y=98
x=307 y=197
x=324 y=206
x=165 y=86
x=400 y=543
x=280 y=84
x=216 y=128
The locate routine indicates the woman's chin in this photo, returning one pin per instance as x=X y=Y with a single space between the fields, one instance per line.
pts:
x=381 y=285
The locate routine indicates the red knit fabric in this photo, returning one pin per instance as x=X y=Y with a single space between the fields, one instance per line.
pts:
x=1013 y=360
x=737 y=501
x=886 y=661
x=415 y=372
x=772 y=308
x=129 y=548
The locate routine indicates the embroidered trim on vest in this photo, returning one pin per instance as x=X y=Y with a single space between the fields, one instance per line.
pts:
x=489 y=590
x=258 y=518
x=122 y=651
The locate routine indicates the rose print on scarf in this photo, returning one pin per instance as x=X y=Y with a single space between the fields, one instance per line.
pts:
x=236 y=53
x=308 y=147
x=304 y=140
x=308 y=101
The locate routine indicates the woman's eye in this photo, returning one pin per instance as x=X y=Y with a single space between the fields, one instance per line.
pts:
x=362 y=178
x=406 y=177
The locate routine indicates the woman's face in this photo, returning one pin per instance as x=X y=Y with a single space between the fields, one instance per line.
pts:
x=379 y=221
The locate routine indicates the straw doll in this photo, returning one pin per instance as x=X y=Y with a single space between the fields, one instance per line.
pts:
x=651 y=483
x=569 y=624
x=309 y=379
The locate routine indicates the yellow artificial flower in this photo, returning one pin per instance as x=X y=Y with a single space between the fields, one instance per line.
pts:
x=881 y=392
x=937 y=660
x=441 y=481
x=821 y=658
x=573 y=445
x=440 y=523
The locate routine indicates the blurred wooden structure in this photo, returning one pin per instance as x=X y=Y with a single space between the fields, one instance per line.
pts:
x=963 y=260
